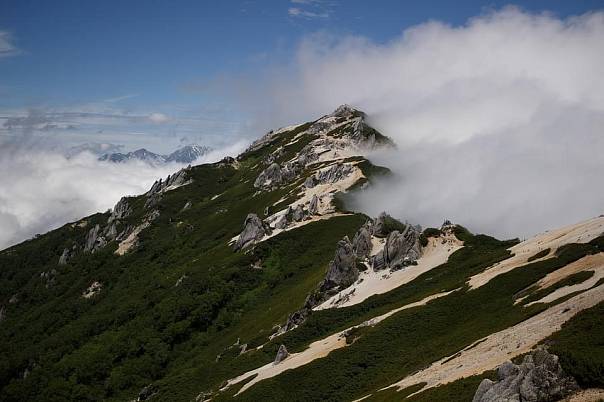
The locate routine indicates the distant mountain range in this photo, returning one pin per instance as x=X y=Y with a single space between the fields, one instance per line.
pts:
x=111 y=153
x=186 y=154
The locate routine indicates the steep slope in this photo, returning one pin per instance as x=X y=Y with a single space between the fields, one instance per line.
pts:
x=249 y=279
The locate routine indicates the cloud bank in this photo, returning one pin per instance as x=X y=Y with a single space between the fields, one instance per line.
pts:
x=499 y=122
x=42 y=189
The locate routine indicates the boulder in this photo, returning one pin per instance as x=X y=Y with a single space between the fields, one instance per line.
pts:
x=2 y=313
x=361 y=243
x=539 y=378
x=342 y=271
x=281 y=354
x=253 y=230
x=313 y=205
x=309 y=182
x=283 y=220
x=298 y=214
x=270 y=177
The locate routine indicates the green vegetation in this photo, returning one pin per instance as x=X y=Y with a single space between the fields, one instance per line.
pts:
x=176 y=311
x=540 y=254
x=570 y=280
x=580 y=346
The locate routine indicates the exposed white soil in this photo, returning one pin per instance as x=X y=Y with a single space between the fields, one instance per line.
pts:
x=129 y=242
x=316 y=350
x=582 y=232
x=490 y=352
x=94 y=289
x=593 y=263
x=175 y=186
x=370 y=282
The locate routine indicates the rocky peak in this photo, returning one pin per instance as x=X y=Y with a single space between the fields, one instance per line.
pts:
x=346 y=110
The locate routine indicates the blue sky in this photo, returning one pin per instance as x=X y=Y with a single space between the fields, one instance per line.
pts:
x=137 y=72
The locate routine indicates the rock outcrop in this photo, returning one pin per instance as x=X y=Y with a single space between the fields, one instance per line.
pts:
x=253 y=230
x=121 y=210
x=269 y=178
x=281 y=354
x=361 y=243
x=401 y=249
x=94 y=240
x=68 y=254
x=173 y=181
x=92 y=290
x=539 y=378
x=334 y=173
x=343 y=270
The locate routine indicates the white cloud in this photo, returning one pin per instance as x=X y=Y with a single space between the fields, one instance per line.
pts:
x=159 y=118
x=41 y=190
x=298 y=12
x=7 y=48
x=499 y=123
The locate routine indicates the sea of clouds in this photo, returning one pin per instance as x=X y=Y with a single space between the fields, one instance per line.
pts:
x=499 y=123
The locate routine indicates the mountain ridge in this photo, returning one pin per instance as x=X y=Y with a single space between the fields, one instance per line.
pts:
x=248 y=278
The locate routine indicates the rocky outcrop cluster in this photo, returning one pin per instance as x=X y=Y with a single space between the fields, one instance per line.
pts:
x=176 y=180
x=254 y=229
x=401 y=249
x=343 y=270
x=116 y=227
x=539 y=378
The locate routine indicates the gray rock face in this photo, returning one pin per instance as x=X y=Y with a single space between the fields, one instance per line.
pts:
x=313 y=205
x=68 y=254
x=2 y=313
x=121 y=210
x=270 y=177
x=539 y=378
x=379 y=225
x=298 y=214
x=187 y=206
x=179 y=178
x=153 y=200
x=334 y=173
x=253 y=230
x=361 y=243
x=281 y=354
x=342 y=271
x=401 y=249
x=309 y=182
x=147 y=393
x=94 y=241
